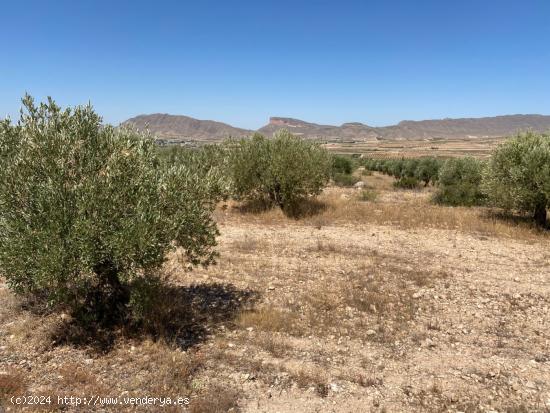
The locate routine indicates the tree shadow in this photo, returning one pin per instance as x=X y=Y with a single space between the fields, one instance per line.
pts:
x=182 y=315
x=515 y=219
x=254 y=206
x=301 y=208
x=304 y=208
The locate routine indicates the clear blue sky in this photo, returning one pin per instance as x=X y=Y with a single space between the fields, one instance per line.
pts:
x=376 y=62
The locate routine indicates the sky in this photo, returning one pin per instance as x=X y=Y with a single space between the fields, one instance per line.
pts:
x=240 y=62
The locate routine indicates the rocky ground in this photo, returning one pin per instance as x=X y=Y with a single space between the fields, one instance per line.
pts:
x=337 y=312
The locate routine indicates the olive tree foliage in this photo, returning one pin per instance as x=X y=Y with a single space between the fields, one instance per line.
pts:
x=341 y=165
x=281 y=170
x=459 y=182
x=406 y=171
x=87 y=209
x=427 y=170
x=210 y=162
x=517 y=176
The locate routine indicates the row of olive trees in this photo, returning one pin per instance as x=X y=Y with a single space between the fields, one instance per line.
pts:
x=516 y=176
x=88 y=212
x=280 y=171
x=420 y=169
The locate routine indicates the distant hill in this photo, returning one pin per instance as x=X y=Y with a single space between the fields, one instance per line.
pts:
x=174 y=128
x=180 y=128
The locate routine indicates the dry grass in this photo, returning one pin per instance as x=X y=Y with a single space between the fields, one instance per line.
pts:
x=73 y=375
x=342 y=206
x=277 y=346
x=12 y=383
x=367 y=195
x=267 y=319
x=420 y=214
x=172 y=370
x=248 y=245
x=217 y=399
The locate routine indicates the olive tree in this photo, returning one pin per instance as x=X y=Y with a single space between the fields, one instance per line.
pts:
x=427 y=170
x=341 y=165
x=459 y=182
x=86 y=209
x=281 y=170
x=409 y=168
x=518 y=175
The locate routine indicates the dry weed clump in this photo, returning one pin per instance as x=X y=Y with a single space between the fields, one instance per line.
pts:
x=274 y=345
x=267 y=319
x=311 y=378
x=368 y=380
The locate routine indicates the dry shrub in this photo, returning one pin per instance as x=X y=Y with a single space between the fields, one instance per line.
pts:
x=368 y=380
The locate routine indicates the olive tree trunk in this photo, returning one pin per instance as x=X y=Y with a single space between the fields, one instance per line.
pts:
x=540 y=214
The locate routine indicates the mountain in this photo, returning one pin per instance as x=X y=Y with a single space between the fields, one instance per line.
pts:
x=174 y=129
x=426 y=129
